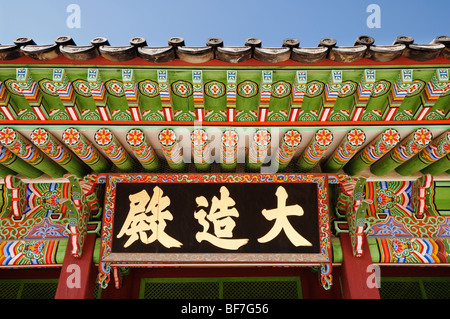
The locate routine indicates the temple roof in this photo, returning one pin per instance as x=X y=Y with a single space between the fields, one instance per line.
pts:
x=214 y=49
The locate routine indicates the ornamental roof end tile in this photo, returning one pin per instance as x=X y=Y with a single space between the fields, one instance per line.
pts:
x=215 y=49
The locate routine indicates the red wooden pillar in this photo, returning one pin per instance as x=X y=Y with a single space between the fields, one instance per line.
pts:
x=77 y=278
x=356 y=283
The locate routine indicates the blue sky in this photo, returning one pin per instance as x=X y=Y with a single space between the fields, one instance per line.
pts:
x=232 y=20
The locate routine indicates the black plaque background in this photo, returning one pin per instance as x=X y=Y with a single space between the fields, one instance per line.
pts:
x=250 y=200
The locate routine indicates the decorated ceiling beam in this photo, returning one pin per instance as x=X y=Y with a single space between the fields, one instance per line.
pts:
x=142 y=149
x=19 y=145
x=312 y=98
x=352 y=143
x=373 y=152
x=316 y=149
x=84 y=149
x=113 y=149
x=410 y=146
x=48 y=144
x=437 y=149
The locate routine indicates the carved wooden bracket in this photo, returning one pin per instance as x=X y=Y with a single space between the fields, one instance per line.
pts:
x=418 y=196
x=356 y=216
x=18 y=196
x=78 y=211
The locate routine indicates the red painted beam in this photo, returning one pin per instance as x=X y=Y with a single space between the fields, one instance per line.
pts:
x=357 y=276
x=77 y=278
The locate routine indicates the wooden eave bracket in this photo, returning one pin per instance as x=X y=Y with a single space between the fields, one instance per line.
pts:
x=419 y=195
x=18 y=196
x=356 y=216
x=78 y=212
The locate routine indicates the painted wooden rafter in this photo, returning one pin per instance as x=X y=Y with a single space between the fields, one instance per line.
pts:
x=438 y=84
x=298 y=94
x=363 y=93
x=31 y=92
x=265 y=94
x=98 y=92
x=199 y=103
x=66 y=93
x=231 y=95
x=418 y=196
x=5 y=98
x=398 y=93
x=131 y=93
x=330 y=94
x=164 y=94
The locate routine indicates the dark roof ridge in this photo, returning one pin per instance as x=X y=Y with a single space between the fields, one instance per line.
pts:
x=214 y=48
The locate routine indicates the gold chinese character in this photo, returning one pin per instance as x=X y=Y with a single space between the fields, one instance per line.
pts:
x=220 y=215
x=281 y=221
x=138 y=223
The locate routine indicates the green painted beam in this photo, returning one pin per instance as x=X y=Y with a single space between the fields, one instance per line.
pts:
x=230 y=141
x=48 y=144
x=171 y=149
x=404 y=151
x=258 y=149
x=84 y=149
x=315 y=150
x=289 y=145
x=438 y=167
x=106 y=140
x=348 y=147
x=200 y=150
x=142 y=149
x=373 y=152
x=438 y=148
x=19 y=145
x=18 y=165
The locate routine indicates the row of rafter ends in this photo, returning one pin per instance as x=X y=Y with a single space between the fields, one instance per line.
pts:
x=290 y=50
